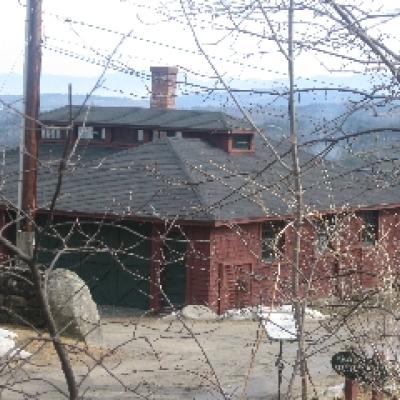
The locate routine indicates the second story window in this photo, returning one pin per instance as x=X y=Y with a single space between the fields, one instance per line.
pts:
x=91 y=133
x=241 y=142
x=369 y=227
x=272 y=240
x=51 y=132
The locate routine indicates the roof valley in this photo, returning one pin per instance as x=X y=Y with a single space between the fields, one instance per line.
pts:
x=195 y=185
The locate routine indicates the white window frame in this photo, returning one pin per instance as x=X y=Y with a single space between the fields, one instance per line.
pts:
x=85 y=132
x=88 y=133
x=51 y=132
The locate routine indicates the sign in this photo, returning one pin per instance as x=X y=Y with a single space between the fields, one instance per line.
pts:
x=346 y=363
x=279 y=325
x=360 y=368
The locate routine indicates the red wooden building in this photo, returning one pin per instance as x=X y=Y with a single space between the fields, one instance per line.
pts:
x=215 y=205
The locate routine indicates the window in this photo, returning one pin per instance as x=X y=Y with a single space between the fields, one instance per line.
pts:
x=51 y=132
x=272 y=239
x=140 y=135
x=325 y=231
x=241 y=142
x=89 y=132
x=369 y=228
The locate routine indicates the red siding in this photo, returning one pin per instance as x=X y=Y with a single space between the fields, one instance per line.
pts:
x=198 y=274
x=346 y=271
x=235 y=264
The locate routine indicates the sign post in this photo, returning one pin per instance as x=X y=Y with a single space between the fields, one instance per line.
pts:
x=350 y=389
x=279 y=364
x=359 y=368
x=279 y=326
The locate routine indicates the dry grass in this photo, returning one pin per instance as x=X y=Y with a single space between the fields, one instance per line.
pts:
x=43 y=353
x=365 y=393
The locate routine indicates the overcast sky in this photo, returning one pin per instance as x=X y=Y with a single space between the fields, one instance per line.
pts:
x=155 y=39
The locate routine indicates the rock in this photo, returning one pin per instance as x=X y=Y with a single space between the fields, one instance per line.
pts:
x=74 y=311
x=241 y=314
x=14 y=301
x=197 y=312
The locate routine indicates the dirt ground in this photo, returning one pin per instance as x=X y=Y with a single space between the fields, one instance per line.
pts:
x=148 y=357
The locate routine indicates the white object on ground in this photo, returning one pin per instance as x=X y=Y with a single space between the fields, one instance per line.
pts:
x=5 y=333
x=8 y=346
x=333 y=392
x=310 y=313
x=249 y=313
x=279 y=325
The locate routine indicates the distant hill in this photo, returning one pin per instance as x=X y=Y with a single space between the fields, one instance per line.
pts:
x=320 y=113
x=194 y=91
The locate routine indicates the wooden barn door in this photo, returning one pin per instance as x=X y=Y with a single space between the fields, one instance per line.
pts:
x=235 y=289
x=173 y=271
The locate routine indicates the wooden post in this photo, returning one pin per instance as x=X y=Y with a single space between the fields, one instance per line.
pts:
x=350 y=389
x=376 y=394
x=32 y=70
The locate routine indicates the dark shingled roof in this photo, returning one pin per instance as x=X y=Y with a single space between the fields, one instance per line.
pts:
x=147 y=117
x=193 y=180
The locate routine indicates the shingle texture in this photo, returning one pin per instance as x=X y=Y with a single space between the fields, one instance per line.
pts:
x=193 y=180
x=147 y=117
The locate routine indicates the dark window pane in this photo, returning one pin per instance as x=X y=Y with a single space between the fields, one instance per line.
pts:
x=369 y=229
x=241 y=142
x=272 y=239
x=325 y=228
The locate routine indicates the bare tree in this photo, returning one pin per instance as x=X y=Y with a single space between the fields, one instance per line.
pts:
x=321 y=246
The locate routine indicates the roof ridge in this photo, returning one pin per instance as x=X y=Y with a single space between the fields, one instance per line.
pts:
x=189 y=177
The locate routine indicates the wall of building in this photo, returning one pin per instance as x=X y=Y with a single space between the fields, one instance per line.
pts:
x=198 y=266
x=224 y=267
x=239 y=277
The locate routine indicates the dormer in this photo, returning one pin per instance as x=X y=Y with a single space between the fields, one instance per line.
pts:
x=241 y=142
x=234 y=142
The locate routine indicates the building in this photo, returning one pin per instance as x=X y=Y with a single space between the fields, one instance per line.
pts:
x=193 y=206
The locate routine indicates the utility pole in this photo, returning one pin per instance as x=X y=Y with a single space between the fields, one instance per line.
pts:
x=29 y=143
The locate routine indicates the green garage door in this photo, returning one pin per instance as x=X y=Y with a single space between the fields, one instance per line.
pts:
x=173 y=270
x=113 y=259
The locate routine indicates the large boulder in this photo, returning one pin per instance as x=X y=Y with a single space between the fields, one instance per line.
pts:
x=198 y=312
x=74 y=311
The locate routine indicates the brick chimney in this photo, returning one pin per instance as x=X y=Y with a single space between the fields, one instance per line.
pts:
x=163 y=87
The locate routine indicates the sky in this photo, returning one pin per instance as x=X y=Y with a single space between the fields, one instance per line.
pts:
x=89 y=30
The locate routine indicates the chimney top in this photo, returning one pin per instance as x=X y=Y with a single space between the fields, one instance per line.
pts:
x=164 y=70
x=163 y=87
